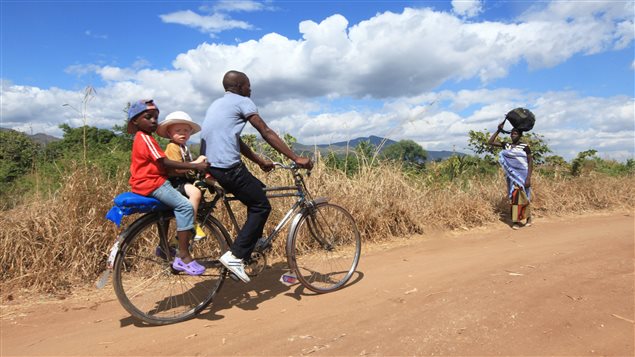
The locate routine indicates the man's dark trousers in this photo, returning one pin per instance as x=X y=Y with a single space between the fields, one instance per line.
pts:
x=238 y=181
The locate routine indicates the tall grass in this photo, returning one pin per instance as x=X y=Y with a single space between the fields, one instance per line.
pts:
x=54 y=243
x=51 y=243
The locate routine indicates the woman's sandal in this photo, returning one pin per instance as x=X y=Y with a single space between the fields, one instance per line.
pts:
x=192 y=268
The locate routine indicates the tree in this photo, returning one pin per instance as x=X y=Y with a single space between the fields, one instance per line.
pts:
x=538 y=145
x=290 y=140
x=17 y=155
x=555 y=161
x=478 y=143
x=347 y=163
x=554 y=166
x=250 y=140
x=95 y=140
x=364 y=151
x=265 y=149
x=104 y=148
x=352 y=163
x=579 y=162
x=613 y=167
x=408 y=151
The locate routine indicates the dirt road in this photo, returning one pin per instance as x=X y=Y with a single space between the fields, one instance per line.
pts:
x=561 y=287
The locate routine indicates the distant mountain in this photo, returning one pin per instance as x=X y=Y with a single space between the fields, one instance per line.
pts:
x=374 y=140
x=39 y=138
x=342 y=147
x=42 y=139
x=442 y=155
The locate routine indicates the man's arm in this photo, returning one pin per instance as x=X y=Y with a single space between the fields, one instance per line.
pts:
x=274 y=140
x=246 y=151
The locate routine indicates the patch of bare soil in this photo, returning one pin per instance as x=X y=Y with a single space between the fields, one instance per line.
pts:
x=560 y=287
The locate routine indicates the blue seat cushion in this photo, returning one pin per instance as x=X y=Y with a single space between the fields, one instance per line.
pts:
x=128 y=203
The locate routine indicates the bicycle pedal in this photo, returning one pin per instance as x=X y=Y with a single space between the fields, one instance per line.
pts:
x=262 y=245
x=234 y=277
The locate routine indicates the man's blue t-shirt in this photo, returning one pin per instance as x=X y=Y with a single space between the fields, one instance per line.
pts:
x=224 y=121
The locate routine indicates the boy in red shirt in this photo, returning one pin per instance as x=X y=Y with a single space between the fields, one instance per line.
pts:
x=148 y=177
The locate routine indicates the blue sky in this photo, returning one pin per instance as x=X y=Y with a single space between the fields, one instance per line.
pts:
x=327 y=71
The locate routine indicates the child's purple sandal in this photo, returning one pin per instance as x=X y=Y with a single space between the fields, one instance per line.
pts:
x=192 y=268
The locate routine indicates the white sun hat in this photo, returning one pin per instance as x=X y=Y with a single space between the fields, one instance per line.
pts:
x=177 y=117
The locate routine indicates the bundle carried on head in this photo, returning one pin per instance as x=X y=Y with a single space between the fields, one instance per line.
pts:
x=521 y=119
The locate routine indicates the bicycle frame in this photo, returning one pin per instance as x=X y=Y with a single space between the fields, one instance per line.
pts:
x=298 y=190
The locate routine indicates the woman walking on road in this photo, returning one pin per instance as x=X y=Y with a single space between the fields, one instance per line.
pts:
x=517 y=162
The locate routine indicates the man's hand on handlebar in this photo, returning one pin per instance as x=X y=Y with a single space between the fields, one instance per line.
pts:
x=266 y=165
x=304 y=162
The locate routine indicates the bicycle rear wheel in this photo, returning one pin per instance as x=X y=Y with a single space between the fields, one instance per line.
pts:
x=324 y=247
x=146 y=284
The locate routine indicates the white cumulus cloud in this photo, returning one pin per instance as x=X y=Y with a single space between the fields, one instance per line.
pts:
x=239 y=5
x=467 y=8
x=210 y=24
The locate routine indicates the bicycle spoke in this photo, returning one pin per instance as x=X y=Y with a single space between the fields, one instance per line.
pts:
x=139 y=288
x=325 y=248
x=147 y=285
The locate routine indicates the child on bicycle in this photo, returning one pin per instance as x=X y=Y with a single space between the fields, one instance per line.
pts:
x=148 y=177
x=178 y=127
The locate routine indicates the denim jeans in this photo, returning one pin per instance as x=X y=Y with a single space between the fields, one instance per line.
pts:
x=183 y=210
x=248 y=190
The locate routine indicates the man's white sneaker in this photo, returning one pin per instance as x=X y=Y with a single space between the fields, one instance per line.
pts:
x=234 y=265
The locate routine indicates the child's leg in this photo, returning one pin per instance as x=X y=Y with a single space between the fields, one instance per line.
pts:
x=183 y=213
x=194 y=195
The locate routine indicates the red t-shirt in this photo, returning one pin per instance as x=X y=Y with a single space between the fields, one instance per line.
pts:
x=146 y=174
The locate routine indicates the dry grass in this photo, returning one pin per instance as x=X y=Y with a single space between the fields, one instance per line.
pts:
x=55 y=243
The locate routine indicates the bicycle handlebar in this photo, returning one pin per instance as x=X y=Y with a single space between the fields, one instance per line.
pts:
x=293 y=167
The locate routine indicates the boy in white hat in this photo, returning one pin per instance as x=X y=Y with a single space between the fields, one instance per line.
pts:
x=178 y=127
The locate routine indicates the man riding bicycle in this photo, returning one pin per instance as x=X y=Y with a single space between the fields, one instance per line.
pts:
x=221 y=144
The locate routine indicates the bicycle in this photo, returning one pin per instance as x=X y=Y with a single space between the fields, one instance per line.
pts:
x=323 y=248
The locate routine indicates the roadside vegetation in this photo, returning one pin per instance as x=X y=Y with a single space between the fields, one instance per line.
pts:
x=53 y=234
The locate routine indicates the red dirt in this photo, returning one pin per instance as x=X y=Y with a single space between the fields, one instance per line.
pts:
x=561 y=287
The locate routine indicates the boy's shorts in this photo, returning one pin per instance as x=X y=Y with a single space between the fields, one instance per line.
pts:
x=179 y=182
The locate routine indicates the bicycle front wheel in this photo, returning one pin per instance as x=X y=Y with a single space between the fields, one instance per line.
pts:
x=146 y=284
x=324 y=247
